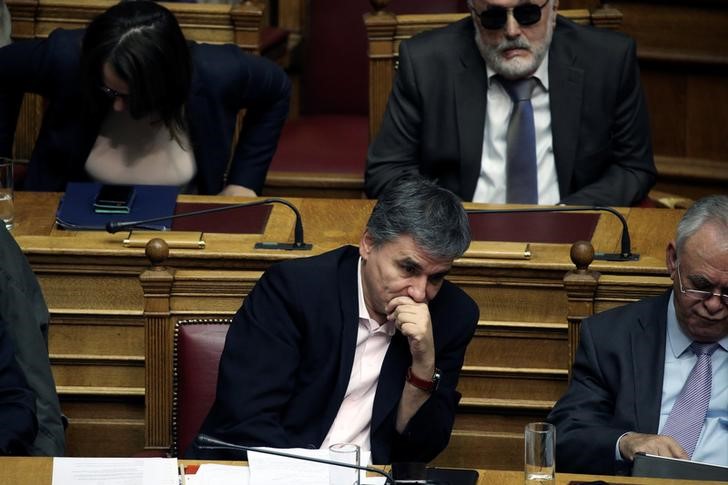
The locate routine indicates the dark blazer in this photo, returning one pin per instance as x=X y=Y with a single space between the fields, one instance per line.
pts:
x=225 y=80
x=288 y=357
x=616 y=385
x=23 y=308
x=435 y=116
x=17 y=403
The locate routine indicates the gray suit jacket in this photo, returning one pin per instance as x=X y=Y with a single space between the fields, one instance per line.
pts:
x=616 y=385
x=23 y=308
x=436 y=114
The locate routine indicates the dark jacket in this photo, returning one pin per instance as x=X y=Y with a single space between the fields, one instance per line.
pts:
x=289 y=353
x=24 y=310
x=17 y=404
x=434 y=122
x=616 y=386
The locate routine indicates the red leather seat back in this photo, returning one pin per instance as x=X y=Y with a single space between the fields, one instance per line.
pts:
x=198 y=345
x=335 y=75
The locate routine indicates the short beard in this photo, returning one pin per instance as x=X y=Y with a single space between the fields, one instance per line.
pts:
x=516 y=68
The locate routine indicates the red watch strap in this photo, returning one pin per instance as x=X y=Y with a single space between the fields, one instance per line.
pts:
x=424 y=384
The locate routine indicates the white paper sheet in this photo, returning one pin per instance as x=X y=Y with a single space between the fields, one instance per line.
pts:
x=278 y=470
x=115 y=471
x=214 y=474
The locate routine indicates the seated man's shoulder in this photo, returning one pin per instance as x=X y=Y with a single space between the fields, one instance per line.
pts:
x=624 y=317
x=590 y=38
x=320 y=264
x=441 y=40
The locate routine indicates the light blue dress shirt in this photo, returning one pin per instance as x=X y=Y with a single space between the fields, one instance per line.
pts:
x=712 y=445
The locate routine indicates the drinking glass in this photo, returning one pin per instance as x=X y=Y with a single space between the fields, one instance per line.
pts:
x=7 y=208
x=540 y=443
x=344 y=453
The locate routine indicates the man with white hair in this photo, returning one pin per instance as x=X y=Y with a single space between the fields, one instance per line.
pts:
x=652 y=376
x=578 y=132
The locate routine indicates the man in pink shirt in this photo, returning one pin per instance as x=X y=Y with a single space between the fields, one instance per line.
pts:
x=361 y=345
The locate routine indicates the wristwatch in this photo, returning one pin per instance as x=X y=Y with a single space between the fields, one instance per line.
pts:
x=428 y=385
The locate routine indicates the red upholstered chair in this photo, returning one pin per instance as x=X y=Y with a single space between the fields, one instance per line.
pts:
x=322 y=150
x=198 y=345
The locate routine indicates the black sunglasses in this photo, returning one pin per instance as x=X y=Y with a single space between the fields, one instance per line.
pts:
x=494 y=18
x=112 y=94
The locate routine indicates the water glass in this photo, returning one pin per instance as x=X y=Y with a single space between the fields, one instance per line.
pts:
x=344 y=453
x=7 y=208
x=540 y=448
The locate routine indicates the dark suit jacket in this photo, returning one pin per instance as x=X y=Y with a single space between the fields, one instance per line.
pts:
x=616 y=385
x=288 y=357
x=17 y=403
x=23 y=308
x=435 y=117
x=225 y=80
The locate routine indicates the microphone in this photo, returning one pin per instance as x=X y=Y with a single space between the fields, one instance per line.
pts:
x=625 y=253
x=298 y=242
x=207 y=442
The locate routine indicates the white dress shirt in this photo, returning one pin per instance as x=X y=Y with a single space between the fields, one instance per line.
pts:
x=491 y=186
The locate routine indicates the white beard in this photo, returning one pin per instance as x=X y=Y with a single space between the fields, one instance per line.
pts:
x=518 y=67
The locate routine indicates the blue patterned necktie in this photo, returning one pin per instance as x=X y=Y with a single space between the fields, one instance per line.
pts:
x=521 y=175
x=686 y=419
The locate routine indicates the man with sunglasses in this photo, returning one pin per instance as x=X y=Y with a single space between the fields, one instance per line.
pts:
x=652 y=376
x=449 y=112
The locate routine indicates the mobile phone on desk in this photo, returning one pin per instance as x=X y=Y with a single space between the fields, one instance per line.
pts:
x=116 y=199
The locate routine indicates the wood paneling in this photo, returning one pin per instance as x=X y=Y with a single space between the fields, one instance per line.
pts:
x=684 y=64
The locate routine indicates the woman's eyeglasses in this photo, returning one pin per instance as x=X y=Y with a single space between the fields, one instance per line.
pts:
x=494 y=18
x=112 y=94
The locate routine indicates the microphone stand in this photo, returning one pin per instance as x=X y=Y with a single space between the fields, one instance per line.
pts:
x=206 y=442
x=625 y=254
x=298 y=241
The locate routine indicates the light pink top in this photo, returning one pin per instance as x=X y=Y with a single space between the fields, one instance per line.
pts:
x=353 y=421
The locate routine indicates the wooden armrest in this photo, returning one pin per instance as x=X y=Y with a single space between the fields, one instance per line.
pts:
x=670 y=201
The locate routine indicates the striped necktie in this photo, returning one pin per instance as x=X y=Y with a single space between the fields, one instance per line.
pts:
x=686 y=419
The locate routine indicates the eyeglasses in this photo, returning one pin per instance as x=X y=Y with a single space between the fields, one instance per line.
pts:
x=494 y=18
x=112 y=94
x=699 y=294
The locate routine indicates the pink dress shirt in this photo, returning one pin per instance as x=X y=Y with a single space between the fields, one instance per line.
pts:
x=353 y=421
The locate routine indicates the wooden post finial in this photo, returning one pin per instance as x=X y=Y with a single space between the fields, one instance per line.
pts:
x=379 y=5
x=157 y=250
x=582 y=255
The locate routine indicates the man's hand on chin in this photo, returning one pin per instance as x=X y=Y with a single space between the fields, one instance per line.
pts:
x=413 y=320
x=654 y=444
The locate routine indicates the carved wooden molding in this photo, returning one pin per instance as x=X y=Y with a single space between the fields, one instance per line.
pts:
x=692 y=168
x=157 y=284
x=213 y=23
x=581 y=286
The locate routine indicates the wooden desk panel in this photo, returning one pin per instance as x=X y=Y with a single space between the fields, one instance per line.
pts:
x=112 y=314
